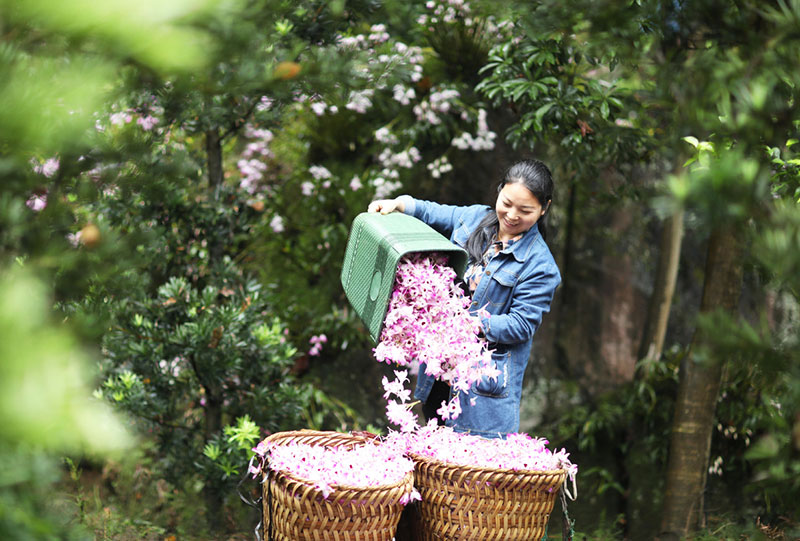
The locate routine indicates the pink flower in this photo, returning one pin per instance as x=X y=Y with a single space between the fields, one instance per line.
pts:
x=412 y=496
x=396 y=387
x=428 y=320
x=360 y=101
x=401 y=415
x=316 y=342
x=75 y=238
x=147 y=122
x=119 y=119
x=49 y=168
x=319 y=172
x=37 y=202
x=516 y=452
x=326 y=468
x=264 y=103
x=276 y=224
x=262 y=448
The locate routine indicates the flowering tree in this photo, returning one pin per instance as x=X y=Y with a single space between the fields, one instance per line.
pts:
x=404 y=124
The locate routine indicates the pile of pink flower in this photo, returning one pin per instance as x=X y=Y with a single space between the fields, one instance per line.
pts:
x=428 y=321
x=518 y=452
x=325 y=468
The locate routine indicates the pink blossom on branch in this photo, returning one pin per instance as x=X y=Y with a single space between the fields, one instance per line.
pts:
x=316 y=344
x=50 y=167
x=147 y=122
x=277 y=224
x=307 y=188
x=355 y=184
x=37 y=202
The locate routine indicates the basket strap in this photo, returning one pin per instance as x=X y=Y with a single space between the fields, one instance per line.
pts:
x=269 y=499
x=567 y=525
x=256 y=504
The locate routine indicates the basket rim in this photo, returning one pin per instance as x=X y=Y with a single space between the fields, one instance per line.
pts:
x=407 y=480
x=484 y=469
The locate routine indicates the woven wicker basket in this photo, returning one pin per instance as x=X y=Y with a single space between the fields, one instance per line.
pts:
x=295 y=511
x=486 y=504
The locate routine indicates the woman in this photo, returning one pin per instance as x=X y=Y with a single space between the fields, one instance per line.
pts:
x=511 y=273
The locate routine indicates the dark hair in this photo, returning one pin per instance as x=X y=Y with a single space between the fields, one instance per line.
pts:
x=532 y=174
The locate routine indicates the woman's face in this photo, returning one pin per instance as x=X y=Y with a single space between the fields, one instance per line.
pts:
x=517 y=210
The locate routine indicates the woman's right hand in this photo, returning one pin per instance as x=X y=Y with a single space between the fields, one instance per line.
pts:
x=386 y=206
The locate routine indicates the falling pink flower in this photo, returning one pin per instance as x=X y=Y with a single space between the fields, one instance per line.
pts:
x=401 y=415
x=428 y=321
x=397 y=387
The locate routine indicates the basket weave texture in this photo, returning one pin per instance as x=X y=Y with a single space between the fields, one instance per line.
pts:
x=469 y=503
x=296 y=511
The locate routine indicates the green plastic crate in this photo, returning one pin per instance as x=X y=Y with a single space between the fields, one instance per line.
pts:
x=377 y=243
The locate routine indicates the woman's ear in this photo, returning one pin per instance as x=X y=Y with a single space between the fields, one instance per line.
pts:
x=546 y=207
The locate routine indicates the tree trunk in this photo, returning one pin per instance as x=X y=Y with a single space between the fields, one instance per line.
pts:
x=566 y=277
x=655 y=330
x=214 y=160
x=215 y=178
x=212 y=491
x=697 y=396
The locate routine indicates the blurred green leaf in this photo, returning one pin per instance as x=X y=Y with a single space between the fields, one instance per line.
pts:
x=45 y=397
x=154 y=32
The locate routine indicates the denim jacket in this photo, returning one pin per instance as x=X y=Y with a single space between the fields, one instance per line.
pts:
x=516 y=290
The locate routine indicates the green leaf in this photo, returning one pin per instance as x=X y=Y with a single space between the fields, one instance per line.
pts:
x=518 y=92
x=212 y=451
x=541 y=111
x=691 y=140
x=765 y=448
